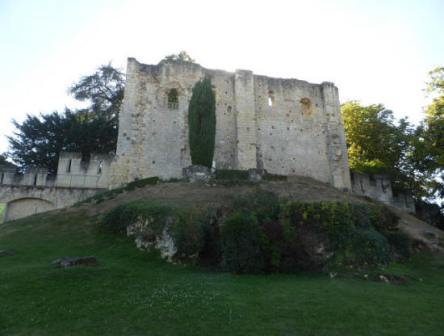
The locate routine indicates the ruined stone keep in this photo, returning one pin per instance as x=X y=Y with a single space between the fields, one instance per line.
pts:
x=285 y=126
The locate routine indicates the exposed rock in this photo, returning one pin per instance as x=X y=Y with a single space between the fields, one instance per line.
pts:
x=256 y=175
x=146 y=238
x=197 y=173
x=65 y=262
x=387 y=278
x=7 y=253
x=165 y=245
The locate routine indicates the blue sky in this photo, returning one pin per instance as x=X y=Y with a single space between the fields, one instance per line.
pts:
x=374 y=51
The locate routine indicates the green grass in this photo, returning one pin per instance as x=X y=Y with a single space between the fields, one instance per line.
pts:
x=134 y=293
x=2 y=210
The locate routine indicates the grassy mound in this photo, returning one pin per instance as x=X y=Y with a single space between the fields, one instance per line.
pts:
x=258 y=233
x=134 y=293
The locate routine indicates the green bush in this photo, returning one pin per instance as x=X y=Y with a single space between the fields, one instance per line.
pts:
x=118 y=219
x=185 y=226
x=349 y=228
x=210 y=253
x=369 y=247
x=263 y=204
x=260 y=235
x=400 y=243
x=383 y=219
x=243 y=244
x=186 y=231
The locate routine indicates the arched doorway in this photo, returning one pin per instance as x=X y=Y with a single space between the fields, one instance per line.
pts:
x=23 y=207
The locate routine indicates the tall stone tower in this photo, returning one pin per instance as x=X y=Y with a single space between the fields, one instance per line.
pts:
x=286 y=126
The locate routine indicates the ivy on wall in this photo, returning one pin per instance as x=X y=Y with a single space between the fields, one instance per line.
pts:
x=202 y=123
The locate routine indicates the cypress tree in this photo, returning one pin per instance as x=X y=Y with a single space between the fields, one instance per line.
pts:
x=202 y=123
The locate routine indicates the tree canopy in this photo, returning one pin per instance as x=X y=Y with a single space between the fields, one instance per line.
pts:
x=413 y=156
x=38 y=140
x=379 y=145
x=180 y=57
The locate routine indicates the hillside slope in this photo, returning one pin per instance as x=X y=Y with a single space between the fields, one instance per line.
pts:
x=221 y=194
x=135 y=293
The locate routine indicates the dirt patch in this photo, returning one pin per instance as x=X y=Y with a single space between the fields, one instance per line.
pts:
x=217 y=194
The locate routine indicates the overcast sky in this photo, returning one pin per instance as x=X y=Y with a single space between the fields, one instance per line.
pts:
x=375 y=51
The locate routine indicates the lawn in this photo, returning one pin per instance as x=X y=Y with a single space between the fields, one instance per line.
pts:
x=2 y=210
x=134 y=293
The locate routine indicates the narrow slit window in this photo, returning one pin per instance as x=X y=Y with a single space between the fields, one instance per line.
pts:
x=68 y=168
x=270 y=98
x=2 y=178
x=173 y=99
x=35 y=179
x=99 y=168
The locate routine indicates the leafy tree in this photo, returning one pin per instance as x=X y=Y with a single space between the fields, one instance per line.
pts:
x=433 y=132
x=4 y=163
x=103 y=90
x=202 y=123
x=39 y=139
x=376 y=144
x=180 y=57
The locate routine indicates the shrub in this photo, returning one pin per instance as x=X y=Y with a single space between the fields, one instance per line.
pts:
x=186 y=231
x=243 y=244
x=118 y=219
x=211 y=249
x=260 y=235
x=349 y=230
x=263 y=204
x=369 y=247
x=400 y=244
x=383 y=219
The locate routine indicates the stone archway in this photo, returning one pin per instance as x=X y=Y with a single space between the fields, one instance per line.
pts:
x=23 y=207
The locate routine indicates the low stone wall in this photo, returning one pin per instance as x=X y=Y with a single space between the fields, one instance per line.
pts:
x=22 y=201
x=379 y=187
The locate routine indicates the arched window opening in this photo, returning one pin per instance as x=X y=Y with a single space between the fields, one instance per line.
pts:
x=173 y=99
x=307 y=110
x=270 y=98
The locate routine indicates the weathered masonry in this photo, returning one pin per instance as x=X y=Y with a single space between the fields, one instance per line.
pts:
x=36 y=191
x=286 y=126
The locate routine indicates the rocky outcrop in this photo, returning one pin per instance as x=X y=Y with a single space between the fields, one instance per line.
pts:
x=147 y=237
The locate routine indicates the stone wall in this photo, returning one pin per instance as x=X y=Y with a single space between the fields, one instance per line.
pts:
x=35 y=191
x=379 y=187
x=73 y=172
x=22 y=201
x=285 y=126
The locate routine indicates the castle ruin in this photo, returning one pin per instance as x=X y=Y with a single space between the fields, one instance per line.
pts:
x=285 y=126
